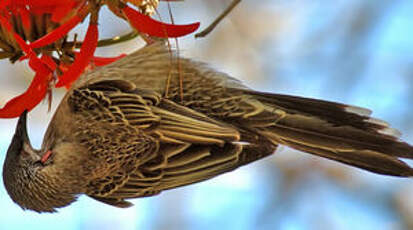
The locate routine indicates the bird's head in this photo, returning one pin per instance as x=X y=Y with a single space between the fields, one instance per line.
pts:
x=25 y=178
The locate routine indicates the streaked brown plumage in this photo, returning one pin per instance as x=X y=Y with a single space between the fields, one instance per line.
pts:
x=115 y=137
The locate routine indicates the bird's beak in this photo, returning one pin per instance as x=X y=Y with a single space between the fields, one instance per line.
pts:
x=20 y=141
x=21 y=129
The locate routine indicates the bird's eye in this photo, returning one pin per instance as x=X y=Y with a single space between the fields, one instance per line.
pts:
x=38 y=164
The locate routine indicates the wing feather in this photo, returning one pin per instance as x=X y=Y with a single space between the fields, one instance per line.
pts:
x=181 y=146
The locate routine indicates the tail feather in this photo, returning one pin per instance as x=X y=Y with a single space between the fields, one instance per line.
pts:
x=366 y=159
x=339 y=132
x=332 y=112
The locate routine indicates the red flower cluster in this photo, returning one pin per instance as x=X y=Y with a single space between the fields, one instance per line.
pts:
x=45 y=45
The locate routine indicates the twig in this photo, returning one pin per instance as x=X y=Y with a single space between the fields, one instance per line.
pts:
x=212 y=26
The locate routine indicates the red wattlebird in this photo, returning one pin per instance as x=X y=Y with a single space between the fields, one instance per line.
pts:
x=118 y=135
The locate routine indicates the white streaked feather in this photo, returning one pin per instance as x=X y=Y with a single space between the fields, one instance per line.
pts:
x=390 y=132
x=386 y=130
x=241 y=143
x=376 y=121
x=358 y=110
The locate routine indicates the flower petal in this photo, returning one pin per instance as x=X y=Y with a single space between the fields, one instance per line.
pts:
x=28 y=100
x=35 y=63
x=4 y=3
x=62 y=11
x=25 y=16
x=147 y=25
x=101 y=61
x=83 y=58
x=59 y=32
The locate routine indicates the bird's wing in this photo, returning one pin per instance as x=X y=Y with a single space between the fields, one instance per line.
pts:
x=148 y=143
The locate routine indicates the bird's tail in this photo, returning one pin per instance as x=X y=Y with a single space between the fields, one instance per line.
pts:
x=336 y=131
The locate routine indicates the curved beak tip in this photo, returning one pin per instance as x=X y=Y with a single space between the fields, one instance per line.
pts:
x=22 y=125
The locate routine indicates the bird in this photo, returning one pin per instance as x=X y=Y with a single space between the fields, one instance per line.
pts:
x=141 y=125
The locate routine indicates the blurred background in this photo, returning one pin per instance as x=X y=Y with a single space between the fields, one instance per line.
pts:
x=358 y=52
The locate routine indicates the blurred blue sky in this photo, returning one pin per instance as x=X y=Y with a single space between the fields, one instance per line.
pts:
x=353 y=51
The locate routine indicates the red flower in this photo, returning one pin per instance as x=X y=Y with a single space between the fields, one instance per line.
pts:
x=19 y=18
